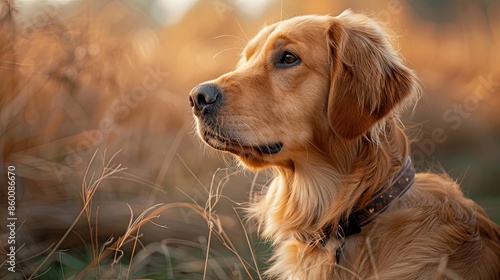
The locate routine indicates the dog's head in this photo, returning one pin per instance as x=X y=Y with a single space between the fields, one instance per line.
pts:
x=298 y=80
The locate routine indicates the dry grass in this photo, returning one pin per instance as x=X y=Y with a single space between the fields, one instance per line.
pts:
x=106 y=258
x=215 y=227
x=68 y=75
x=61 y=85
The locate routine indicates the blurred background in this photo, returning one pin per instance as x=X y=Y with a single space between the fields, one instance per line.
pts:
x=111 y=181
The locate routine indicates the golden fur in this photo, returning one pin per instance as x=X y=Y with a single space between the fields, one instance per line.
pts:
x=335 y=115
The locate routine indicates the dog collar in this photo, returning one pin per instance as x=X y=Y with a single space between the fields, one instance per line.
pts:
x=378 y=203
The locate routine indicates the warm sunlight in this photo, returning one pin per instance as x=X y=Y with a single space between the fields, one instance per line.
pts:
x=126 y=128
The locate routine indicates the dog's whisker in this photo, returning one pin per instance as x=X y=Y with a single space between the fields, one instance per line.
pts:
x=232 y=36
x=225 y=50
x=242 y=30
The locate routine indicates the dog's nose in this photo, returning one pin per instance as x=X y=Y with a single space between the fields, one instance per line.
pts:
x=205 y=97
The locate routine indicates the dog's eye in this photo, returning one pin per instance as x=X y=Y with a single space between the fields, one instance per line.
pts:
x=288 y=59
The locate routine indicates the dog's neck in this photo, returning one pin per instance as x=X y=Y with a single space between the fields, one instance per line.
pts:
x=299 y=206
x=379 y=202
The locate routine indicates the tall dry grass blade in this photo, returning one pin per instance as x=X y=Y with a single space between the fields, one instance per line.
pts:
x=221 y=234
x=8 y=57
x=95 y=245
x=61 y=262
x=209 y=239
x=139 y=221
x=107 y=172
x=33 y=256
x=213 y=223
x=191 y=172
x=133 y=252
x=168 y=160
x=142 y=258
x=121 y=240
x=249 y=244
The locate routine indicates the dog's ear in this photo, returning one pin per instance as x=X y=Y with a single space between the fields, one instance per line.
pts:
x=368 y=78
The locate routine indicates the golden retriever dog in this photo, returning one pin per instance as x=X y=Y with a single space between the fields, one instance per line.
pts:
x=317 y=99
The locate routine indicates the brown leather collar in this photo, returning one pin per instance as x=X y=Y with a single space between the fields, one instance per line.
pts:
x=379 y=202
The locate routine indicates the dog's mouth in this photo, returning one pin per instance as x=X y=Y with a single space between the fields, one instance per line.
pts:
x=222 y=142
x=270 y=149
